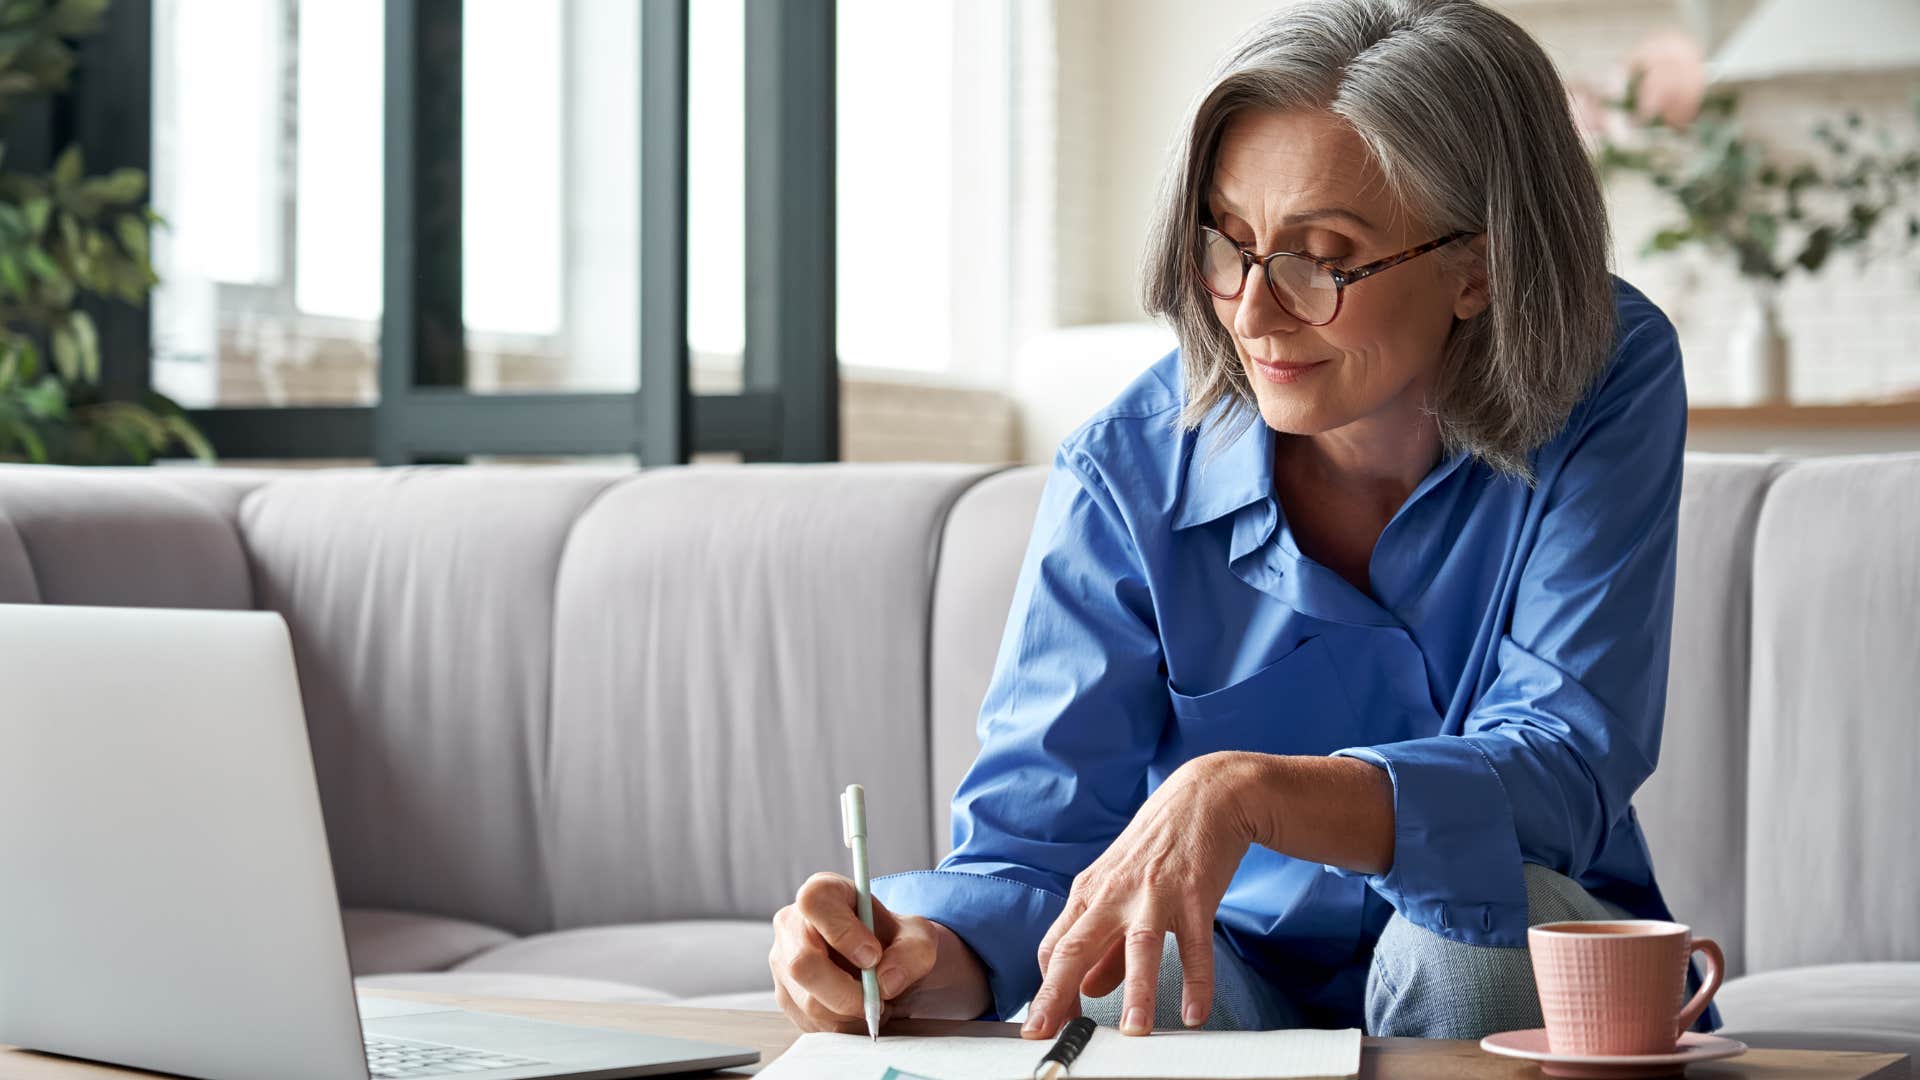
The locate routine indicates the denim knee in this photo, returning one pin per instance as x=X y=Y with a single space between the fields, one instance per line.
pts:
x=1427 y=986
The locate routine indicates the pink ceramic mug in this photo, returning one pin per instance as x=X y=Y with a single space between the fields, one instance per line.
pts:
x=1614 y=987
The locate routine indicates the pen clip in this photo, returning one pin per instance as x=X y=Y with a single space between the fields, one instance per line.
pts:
x=846 y=818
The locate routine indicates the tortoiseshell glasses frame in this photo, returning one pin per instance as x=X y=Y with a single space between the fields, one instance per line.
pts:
x=1306 y=275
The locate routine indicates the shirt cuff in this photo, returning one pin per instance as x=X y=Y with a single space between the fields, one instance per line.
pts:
x=1456 y=857
x=1001 y=920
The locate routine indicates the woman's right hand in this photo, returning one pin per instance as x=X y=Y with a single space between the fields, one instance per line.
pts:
x=820 y=946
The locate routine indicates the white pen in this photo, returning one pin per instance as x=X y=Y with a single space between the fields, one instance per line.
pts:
x=853 y=826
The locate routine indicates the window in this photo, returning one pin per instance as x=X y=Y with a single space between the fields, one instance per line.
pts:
x=924 y=146
x=266 y=165
x=349 y=271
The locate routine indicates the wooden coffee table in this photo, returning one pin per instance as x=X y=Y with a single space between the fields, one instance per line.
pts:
x=771 y=1034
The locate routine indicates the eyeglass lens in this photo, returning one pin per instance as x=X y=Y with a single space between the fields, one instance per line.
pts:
x=1299 y=285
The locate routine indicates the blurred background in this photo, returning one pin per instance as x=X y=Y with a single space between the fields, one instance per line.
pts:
x=911 y=228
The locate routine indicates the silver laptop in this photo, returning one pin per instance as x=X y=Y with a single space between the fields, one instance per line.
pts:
x=166 y=896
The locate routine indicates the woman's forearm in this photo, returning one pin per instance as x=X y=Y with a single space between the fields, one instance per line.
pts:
x=1332 y=810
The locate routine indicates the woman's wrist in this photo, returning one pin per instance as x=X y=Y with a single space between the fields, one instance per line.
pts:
x=1333 y=810
x=1249 y=795
x=957 y=987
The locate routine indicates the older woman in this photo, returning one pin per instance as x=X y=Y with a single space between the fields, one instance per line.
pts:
x=1340 y=645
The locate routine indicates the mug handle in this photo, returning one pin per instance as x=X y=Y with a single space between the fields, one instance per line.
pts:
x=1716 y=964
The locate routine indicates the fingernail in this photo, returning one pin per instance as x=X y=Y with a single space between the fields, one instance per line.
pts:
x=866 y=956
x=1135 y=1022
x=1036 y=1021
x=1193 y=1014
x=889 y=981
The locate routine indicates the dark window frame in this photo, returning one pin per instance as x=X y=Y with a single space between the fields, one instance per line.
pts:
x=789 y=407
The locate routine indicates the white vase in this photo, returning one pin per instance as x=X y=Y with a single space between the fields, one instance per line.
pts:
x=1757 y=356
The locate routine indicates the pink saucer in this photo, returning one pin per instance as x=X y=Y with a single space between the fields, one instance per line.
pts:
x=1532 y=1045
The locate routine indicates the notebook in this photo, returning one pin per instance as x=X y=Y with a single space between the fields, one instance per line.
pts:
x=1167 y=1055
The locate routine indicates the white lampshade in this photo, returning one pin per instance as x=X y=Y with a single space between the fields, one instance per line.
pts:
x=1820 y=37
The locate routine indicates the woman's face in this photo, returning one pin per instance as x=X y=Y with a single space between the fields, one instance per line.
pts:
x=1305 y=182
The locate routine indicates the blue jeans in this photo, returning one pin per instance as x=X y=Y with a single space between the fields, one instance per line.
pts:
x=1420 y=984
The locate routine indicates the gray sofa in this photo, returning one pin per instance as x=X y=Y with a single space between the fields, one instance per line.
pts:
x=580 y=732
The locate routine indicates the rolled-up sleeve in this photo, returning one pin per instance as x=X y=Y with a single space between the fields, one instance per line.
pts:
x=1070 y=720
x=1550 y=755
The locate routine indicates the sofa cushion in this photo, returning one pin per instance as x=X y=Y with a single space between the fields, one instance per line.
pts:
x=733 y=646
x=120 y=539
x=979 y=561
x=680 y=958
x=1833 y=867
x=387 y=941
x=421 y=606
x=16 y=570
x=496 y=984
x=1694 y=808
x=1831 y=1007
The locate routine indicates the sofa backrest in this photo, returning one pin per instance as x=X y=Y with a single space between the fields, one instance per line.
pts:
x=557 y=697
x=547 y=697
x=734 y=646
x=121 y=538
x=987 y=536
x=1833 y=862
x=1694 y=809
x=421 y=607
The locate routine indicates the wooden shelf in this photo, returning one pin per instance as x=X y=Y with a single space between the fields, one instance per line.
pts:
x=1890 y=414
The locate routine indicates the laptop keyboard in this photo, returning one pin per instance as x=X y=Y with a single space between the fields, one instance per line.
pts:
x=389 y=1057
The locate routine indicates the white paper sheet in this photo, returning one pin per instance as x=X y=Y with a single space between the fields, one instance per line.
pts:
x=1166 y=1055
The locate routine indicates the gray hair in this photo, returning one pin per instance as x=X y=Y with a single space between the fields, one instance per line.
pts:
x=1471 y=129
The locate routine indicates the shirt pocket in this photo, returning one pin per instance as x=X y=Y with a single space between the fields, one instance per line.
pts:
x=1294 y=705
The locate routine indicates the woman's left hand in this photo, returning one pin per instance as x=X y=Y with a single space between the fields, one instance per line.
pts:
x=1167 y=871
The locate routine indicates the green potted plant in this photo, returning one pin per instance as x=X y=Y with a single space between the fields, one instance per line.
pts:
x=63 y=236
x=1734 y=196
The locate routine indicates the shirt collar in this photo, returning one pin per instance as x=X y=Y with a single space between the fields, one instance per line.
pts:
x=1239 y=474
x=1215 y=483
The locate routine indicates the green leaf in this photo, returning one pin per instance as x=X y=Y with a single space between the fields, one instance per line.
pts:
x=15 y=12
x=46 y=399
x=190 y=437
x=76 y=18
x=87 y=338
x=10 y=275
x=14 y=38
x=133 y=236
x=1818 y=246
x=36 y=210
x=41 y=264
x=1630 y=100
x=67 y=170
x=9 y=369
x=30 y=441
x=1764 y=228
x=29 y=355
x=1668 y=239
x=66 y=354
x=118 y=186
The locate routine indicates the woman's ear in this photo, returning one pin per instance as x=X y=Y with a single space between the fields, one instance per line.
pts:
x=1473 y=297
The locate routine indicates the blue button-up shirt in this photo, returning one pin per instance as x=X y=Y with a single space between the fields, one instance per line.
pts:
x=1507 y=668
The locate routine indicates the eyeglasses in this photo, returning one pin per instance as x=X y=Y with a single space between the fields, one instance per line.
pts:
x=1306 y=288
